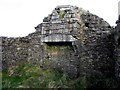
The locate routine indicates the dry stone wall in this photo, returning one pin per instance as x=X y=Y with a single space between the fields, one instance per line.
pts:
x=98 y=45
x=90 y=54
x=20 y=50
x=117 y=49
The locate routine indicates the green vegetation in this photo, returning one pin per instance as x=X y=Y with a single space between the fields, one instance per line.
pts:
x=0 y=80
x=62 y=14
x=30 y=76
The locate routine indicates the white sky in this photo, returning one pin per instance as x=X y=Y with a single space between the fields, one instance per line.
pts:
x=19 y=17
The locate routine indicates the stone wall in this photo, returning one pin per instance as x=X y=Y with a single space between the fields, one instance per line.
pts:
x=1 y=62
x=20 y=50
x=90 y=55
x=117 y=48
x=98 y=45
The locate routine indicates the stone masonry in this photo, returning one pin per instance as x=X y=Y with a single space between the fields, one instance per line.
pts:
x=70 y=40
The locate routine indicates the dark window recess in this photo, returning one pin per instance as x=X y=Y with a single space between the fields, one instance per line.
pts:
x=59 y=43
x=118 y=41
x=87 y=24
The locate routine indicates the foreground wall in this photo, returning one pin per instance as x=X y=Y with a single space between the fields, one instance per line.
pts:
x=91 y=56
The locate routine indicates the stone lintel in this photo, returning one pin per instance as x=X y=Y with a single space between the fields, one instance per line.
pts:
x=58 y=38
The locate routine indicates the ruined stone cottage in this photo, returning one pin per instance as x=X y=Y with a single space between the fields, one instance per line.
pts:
x=70 y=40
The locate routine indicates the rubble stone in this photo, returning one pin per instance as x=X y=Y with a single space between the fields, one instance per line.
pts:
x=77 y=42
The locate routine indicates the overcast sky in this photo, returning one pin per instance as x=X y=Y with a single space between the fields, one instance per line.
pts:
x=19 y=17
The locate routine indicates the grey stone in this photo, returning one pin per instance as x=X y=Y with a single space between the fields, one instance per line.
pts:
x=85 y=44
